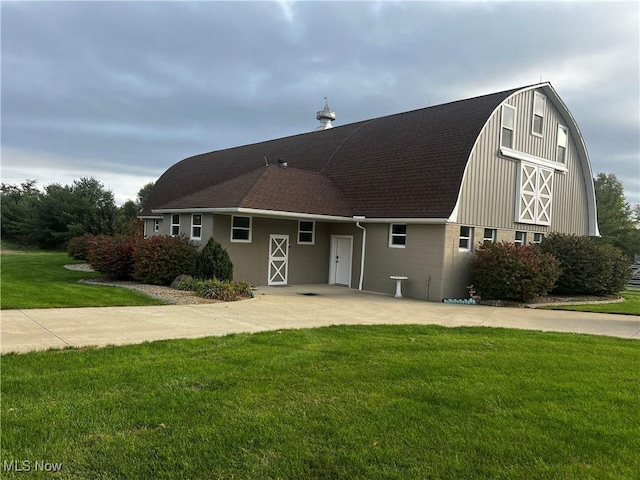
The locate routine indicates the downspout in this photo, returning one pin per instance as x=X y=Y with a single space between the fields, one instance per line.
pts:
x=364 y=244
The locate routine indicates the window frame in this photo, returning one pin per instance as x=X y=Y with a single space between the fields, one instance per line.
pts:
x=492 y=237
x=543 y=99
x=234 y=228
x=393 y=236
x=175 y=225
x=156 y=225
x=468 y=239
x=538 y=237
x=512 y=128
x=194 y=226
x=312 y=232
x=562 y=161
x=520 y=242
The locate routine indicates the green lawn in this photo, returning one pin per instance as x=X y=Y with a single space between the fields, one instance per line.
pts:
x=630 y=305
x=356 y=402
x=36 y=279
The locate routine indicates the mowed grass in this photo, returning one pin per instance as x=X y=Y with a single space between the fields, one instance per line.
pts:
x=630 y=305
x=348 y=402
x=37 y=279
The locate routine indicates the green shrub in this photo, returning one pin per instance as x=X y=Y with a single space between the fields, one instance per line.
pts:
x=589 y=267
x=78 y=247
x=159 y=260
x=507 y=272
x=113 y=256
x=226 y=291
x=213 y=262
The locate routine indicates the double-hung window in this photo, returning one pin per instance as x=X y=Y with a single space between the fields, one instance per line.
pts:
x=175 y=225
x=241 y=229
x=156 y=225
x=521 y=239
x=563 y=140
x=398 y=235
x=507 y=131
x=490 y=235
x=538 y=237
x=537 y=120
x=466 y=239
x=196 y=226
x=306 y=232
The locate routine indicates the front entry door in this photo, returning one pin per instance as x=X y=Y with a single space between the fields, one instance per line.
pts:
x=278 y=259
x=340 y=267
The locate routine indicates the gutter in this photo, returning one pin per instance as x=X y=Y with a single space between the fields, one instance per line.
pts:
x=358 y=219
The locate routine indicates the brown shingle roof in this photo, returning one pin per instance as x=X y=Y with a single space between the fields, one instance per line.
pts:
x=408 y=165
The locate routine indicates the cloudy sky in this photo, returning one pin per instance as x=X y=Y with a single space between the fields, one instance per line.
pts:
x=122 y=90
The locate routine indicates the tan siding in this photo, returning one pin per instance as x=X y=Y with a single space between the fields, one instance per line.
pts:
x=420 y=260
x=489 y=192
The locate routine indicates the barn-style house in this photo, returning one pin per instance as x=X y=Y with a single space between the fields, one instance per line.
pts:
x=410 y=194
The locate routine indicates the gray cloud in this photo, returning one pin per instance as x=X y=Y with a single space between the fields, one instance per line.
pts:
x=139 y=86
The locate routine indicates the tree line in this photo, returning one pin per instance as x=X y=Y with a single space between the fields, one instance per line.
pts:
x=48 y=218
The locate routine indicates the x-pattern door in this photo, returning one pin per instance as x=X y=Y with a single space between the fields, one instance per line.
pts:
x=278 y=259
x=536 y=194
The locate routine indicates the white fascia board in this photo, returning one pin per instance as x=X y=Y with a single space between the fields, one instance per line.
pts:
x=516 y=155
x=301 y=216
x=150 y=217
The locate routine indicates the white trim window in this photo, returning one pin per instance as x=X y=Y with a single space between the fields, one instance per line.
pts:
x=466 y=239
x=563 y=142
x=538 y=237
x=175 y=225
x=508 y=126
x=398 y=235
x=490 y=235
x=306 y=232
x=520 y=239
x=196 y=226
x=156 y=225
x=537 y=117
x=535 y=194
x=241 y=229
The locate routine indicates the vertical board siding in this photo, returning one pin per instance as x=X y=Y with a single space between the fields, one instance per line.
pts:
x=489 y=193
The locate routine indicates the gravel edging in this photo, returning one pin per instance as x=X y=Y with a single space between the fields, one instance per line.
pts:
x=167 y=294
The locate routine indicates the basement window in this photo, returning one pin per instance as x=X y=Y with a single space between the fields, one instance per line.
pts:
x=538 y=237
x=306 y=233
x=466 y=239
x=196 y=226
x=490 y=235
x=521 y=239
x=175 y=225
x=241 y=229
x=397 y=235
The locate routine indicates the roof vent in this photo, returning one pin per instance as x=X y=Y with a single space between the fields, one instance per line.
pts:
x=282 y=163
x=325 y=116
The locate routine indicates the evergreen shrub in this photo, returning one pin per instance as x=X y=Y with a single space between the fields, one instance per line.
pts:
x=505 y=271
x=589 y=267
x=160 y=259
x=213 y=262
x=227 y=291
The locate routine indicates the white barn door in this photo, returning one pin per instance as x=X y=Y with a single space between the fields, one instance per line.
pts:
x=278 y=259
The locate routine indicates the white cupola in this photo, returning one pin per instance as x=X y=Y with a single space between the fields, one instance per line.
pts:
x=325 y=116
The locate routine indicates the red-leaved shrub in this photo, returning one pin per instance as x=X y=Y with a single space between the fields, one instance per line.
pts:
x=507 y=272
x=113 y=256
x=159 y=260
x=78 y=247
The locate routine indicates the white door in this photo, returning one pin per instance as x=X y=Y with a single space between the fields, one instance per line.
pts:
x=278 y=259
x=340 y=267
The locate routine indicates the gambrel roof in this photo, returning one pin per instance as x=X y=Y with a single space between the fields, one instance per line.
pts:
x=407 y=165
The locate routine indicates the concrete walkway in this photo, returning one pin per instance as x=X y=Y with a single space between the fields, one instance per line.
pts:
x=274 y=308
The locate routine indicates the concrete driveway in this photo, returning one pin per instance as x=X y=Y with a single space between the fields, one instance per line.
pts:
x=274 y=308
